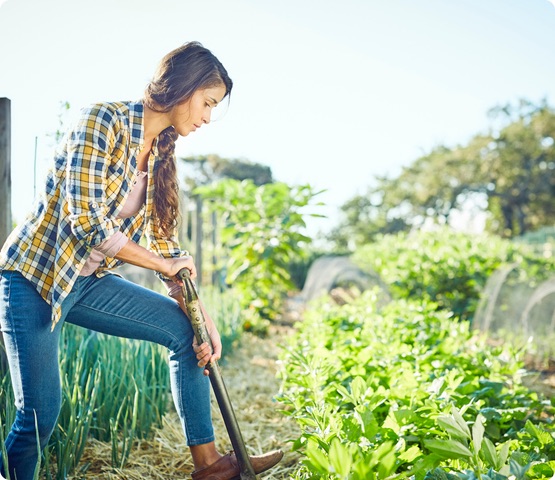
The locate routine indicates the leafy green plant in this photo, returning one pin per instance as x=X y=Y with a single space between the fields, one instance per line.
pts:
x=408 y=382
x=7 y=415
x=78 y=406
x=262 y=234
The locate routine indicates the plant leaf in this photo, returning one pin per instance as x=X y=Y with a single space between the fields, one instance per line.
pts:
x=317 y=459
x=448 y=448
x=450 y=425
x=478 y=433
x=518 y=470
x=340 y=458
x=461 y=422
x=503 y=454
x=490 y=454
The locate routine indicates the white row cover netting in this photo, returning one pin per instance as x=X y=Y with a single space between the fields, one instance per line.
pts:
x=519 y=308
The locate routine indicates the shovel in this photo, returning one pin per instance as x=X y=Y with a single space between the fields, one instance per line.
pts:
x=194 y=313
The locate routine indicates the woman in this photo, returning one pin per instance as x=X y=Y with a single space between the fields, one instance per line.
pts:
x=113 y=178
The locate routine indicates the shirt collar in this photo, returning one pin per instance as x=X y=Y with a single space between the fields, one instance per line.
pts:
x=136 y=123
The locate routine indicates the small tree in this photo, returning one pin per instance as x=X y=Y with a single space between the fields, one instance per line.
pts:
x=262 y=233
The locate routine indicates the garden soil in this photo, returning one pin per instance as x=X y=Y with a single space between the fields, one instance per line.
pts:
x=249 y=373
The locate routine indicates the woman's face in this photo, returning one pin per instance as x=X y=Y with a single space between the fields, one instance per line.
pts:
x=192 y=114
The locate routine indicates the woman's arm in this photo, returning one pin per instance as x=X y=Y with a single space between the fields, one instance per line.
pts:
x=141 y=257
x=169 y=267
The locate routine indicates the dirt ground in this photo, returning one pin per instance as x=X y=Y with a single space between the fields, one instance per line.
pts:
x=540 y=381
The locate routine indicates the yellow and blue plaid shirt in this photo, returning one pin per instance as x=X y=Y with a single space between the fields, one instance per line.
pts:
x=94 y=169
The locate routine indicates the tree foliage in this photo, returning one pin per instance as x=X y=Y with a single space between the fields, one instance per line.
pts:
x=206 y=169
x=507 y=173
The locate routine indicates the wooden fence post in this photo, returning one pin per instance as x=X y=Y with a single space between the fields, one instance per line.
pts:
x=5 y=193
x=215 y=272
x=198 y=239
x=5 y=169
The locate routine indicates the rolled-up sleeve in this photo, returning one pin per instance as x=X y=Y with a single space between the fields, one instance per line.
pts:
x=91 y=148
x=112 y=245
x=164 y=247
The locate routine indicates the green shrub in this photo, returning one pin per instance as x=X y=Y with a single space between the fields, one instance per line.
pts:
x=446 y=267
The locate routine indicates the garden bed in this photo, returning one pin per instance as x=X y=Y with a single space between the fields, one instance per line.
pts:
x=250 y=376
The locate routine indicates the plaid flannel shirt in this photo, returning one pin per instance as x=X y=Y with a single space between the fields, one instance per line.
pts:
x=92 y=175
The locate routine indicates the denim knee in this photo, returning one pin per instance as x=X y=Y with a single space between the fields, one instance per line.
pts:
x=182 y=347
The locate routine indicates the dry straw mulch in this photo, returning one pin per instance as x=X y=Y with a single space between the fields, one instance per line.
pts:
x=250 y=377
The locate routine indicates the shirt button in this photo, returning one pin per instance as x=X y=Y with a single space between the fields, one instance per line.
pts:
x=94 y=205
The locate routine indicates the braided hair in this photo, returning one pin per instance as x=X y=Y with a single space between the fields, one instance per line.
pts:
x=180 y=74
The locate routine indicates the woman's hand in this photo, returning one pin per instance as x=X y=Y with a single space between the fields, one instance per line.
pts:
x=174 y=265
x=203 y=351
x=204 y=355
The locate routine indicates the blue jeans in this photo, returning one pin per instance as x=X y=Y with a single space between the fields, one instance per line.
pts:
x=109 y=305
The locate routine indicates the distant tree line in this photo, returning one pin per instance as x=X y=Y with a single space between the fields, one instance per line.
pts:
x=206 y=169
x=507 y=174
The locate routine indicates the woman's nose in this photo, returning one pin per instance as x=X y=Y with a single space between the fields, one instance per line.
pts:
x=206 y=117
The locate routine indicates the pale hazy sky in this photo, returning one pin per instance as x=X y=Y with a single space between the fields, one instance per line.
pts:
x=329 y=93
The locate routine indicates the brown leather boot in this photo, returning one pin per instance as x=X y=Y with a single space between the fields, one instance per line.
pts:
x=227 y=468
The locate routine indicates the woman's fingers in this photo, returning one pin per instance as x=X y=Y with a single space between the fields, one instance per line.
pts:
x=182 y=262
x=205 y=356
x=201 y=350
x=205 y=352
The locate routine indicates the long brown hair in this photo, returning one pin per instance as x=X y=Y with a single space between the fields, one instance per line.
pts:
x=181 y=73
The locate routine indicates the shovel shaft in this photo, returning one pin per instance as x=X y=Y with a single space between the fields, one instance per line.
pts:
x=196 y=317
